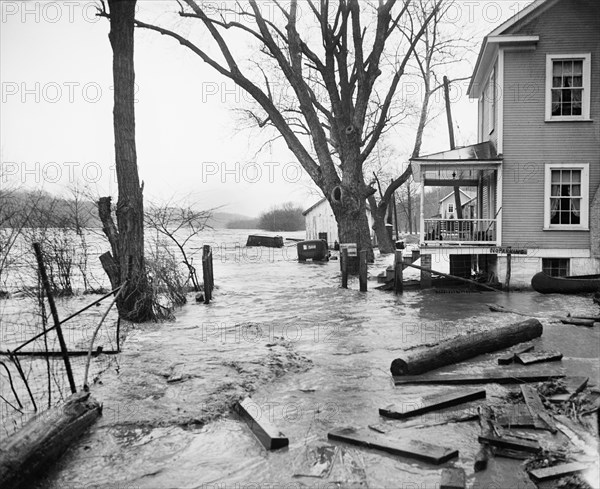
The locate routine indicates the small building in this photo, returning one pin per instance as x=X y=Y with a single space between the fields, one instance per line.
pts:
x=321 y=223
x=536 y=166
x=448 y=203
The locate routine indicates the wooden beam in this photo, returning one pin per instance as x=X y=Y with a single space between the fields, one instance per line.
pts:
x=538 y=357
x=511 y=443
x=497 y=377
x=439 y=402
x=536 y=408
x=425 y=452
x=479 y=284
x=557 y=471
x=463 y=182
x=510 y=357
x=267 y=434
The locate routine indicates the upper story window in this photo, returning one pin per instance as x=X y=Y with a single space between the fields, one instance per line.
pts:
x=450 y=207
x=568 y=87
x=566 y=196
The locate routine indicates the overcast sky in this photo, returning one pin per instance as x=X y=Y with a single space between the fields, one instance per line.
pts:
x=56 y=114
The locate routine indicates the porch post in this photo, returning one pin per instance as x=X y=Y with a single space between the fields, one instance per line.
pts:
x=422 y=216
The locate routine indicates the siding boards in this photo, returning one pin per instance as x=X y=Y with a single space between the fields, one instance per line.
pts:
x=529 y=141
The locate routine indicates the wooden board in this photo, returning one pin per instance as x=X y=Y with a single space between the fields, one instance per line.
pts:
x=557 y=471
x=513 y=454
x=511 y=443
x=425 y=452
x=518 y=421
x=267 y=434
x=510 y=357
x=316 y=461
x=497 y=376
x=578 y=321
x=448 y=399
x=538 y=357
x=453 y=478
x=536 y=408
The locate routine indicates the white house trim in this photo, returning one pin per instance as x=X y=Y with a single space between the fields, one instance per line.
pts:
x=587 y=87
x=500 y=103
x=585 y=199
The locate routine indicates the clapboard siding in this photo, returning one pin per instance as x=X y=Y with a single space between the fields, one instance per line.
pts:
x=529 y=141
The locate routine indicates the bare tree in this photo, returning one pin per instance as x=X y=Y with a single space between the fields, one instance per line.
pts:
x=433 y=53
x=180 y=223
x=126 y=261
x=331 y=83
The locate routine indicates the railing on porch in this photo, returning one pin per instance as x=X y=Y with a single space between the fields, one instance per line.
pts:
x=464 y=231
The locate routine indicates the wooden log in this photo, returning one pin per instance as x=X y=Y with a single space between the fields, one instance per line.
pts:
x=453 y=478
x=439 y=402
x=465 y=347
x=578 y=322
x=510 y=357
x=266 y=433
x=497 y=377
x=407 y=448
x=536 y=408
x=511 y=443
x=485 y=452
x=538 y=357
x=557 y=471
x=398 y=274
x=40 y=443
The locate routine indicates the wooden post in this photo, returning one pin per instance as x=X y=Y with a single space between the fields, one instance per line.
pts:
x=457 y=199
x=508 y=272
x=425 y=274
x=63 y=346
x=206 y=275
x=344 y=264
x=362 y=270
x=398 y=278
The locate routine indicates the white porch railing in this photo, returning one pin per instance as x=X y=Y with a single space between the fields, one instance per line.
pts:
x=463 y=231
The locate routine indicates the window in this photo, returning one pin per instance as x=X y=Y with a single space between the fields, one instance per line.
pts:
x=450 y=207
x=566 y=196
x=568 y=87
x=555 y=267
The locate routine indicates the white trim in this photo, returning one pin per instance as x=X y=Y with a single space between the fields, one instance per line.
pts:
x=432 y=249
x=587 y=87
x=422 y=216
x=499 y=190
x=500 y=103
x=490 y=95
x=585 y=199
x=520 y=15
x=507 y=38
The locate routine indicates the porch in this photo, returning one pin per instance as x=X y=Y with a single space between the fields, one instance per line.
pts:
x=476 y=168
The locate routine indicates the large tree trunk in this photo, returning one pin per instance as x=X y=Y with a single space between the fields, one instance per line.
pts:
x=135 y=303
x=383 y=239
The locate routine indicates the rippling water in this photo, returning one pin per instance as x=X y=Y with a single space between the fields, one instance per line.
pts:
x=314 y=357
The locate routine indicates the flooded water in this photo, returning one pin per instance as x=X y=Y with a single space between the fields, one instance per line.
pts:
x=314 y=357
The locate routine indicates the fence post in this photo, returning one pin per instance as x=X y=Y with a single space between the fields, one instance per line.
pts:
x=206 y=273
x=398 y=273
x=362 y=270
x=63 y=347
x=426 y=276
x=344 y=264
x=508 y=272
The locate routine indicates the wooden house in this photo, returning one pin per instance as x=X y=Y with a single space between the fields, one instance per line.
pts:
x=536 y=165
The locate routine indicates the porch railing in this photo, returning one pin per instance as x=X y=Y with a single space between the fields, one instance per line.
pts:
x=463 y=231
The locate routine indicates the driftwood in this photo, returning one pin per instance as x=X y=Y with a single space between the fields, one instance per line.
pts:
x=465 y=347
x=407 y=410
x=498 y=376
x=35 y=447
x=541 y=419
x=266 y=433
x=557 y=471
x=485 y=452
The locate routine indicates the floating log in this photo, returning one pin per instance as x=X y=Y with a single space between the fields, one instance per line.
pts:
x=485 y=452
x=578 y=322
x=267 y=434
x=510 y=357
x=557 y=471
x=41 y=442
x=511 y=443
x=453 y=478
x=538 y=357
x=497 y=377
x=467 y=346
x=438 y=402
x=536 y=408
x=407 y=448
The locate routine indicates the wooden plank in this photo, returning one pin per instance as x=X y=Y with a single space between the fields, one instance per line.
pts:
x=518 y=421
x=267 y=434
x=316 y=461
x=438 y=402
x=513 y=454
x=425 y=452
x=485 y=451
x=538 y=357
x=510 y=357
x=578 y=321
x=557 y=471
x=537 y=409
x=453 y=478
x=510 y=443
x=497 y=376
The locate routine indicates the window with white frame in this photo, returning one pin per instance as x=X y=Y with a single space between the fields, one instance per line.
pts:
x=450 y=207
x=566 y=196
x=568 y=87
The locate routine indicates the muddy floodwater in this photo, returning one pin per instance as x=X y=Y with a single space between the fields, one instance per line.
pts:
x=314 y=357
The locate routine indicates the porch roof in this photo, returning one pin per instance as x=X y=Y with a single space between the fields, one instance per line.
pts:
x=475 y=152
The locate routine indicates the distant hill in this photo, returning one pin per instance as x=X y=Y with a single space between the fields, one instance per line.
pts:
x=231 y=220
